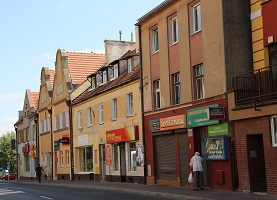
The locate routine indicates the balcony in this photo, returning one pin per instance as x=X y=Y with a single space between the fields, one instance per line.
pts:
x=256 y=87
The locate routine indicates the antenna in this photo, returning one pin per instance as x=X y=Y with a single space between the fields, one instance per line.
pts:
x=131 y=36
x=120 y=33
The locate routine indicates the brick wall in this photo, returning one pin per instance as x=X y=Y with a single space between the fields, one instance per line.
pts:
x=260 y=125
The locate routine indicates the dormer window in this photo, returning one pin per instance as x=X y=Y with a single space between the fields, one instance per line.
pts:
x=104 y=77
x=93 y=83
x=115 y=71
x=129 y=65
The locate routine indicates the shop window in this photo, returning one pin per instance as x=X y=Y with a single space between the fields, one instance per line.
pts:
x=133 y=157
x=26 y=163
x=157 y=94
x=115 y=158
x=274 y=130
x=273 y=55
x=86 y=159
x=176 y=88
x=199 y=82
x=61 y=158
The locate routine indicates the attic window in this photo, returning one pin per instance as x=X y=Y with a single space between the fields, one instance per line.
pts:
x=104 y=77
x=115 y=71
x=129 y=65
x=93 y=84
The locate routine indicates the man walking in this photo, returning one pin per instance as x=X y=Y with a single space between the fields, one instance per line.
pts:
x=197 y=168
x=38 y=172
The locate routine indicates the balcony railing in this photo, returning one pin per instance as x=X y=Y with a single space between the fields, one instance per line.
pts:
x=256 y=86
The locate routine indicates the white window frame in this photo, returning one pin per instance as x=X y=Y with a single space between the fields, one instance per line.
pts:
x=174 y=30
x=89 y=117
x=157 y=94
x=79 y=119
x=93 y=83
x=176 y=88
x=61 y=158
x=115 y=71
x=155 y=40
x=129 y=63
x=67 y=157
x=61 y=120
x=199 y=82
x=100 y=113
x=114 y=109
x=274 y=130
x=66 y=119
x=104 y=77
x=196 y=18
x=55 y=122
x=129 y=105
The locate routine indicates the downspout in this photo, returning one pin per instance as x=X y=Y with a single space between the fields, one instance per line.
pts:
x=68 y=102
x=142 y=102
x=37 y=137
x=51 y=138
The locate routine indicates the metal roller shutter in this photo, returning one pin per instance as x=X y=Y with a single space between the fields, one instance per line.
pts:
x=165 y=157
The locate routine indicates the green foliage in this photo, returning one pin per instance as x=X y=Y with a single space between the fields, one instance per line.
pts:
x=6 y=153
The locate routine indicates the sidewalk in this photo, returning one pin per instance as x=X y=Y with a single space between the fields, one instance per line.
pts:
x=173 y=192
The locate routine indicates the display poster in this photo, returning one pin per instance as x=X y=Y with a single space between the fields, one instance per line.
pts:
x=108 y=150
x=140 y=154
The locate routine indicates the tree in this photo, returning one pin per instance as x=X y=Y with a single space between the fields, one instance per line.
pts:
x=7 y=154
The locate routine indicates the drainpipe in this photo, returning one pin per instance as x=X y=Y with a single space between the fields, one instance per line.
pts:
x=51 y=138
x=68 y=102
x=142 y=102
x=36 y=117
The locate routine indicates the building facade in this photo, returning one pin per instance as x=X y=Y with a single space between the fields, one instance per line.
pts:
x=190 y=50
x=252 y=105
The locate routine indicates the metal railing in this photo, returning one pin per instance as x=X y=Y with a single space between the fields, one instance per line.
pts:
x=255 y=86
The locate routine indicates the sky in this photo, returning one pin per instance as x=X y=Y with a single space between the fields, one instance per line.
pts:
x=32 y=31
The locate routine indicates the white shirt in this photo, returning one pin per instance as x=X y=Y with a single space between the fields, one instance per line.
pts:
x=196 y=163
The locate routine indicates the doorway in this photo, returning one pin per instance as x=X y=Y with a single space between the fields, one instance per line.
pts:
x=102 y=162
x=256 y=163
x=202 y=135
x=122 y=163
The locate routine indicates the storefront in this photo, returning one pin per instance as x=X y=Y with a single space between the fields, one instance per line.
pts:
x=208 y=133
x=168 y=164
x=124 y=155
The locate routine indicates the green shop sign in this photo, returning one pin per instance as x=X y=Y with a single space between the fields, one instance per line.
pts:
x=200 y=117
x=216 y=130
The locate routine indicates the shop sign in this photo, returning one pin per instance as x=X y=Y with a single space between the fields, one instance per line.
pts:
x=220 y=129
x=64 y=140
x=154 y=125
x=200 y=117
x=83 y=140
x=174 y=122
x=217 y=113
x=122 y=135
x=57 y=145
x=26 y=149
x=108 y=150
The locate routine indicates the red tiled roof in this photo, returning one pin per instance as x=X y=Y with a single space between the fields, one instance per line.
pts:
x=35 y=96
x=81 y=65
x=124 y=78
x=52 y=76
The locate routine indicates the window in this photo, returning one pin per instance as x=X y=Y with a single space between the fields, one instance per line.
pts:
x=176 y=88
x=115 y=157
x=274 y=130
x=61 y=158
x=273 y=55
x=61 y=120
x=115 y=71
x=133 y=157
x=34 y=131
x=114 y=109
x=129 y=104
x=155 y=40
x=67 y=157
x=104 y=77
x=174 y=30
x=157 y=95
x=197 y=26
x=100 y=113
x=79 y=119
x=66 y=119
x=129 y=65
x=199 y=82
x=89 y=117
x=93 y=83
x=26 y=163
x=86 y=159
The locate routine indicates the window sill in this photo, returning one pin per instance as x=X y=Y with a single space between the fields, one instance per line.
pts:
x=265 y=1
x=114 y=119
x=130 y=115
x=195 y=32
x=155 y=52
x=101 y=123
x=173 y=44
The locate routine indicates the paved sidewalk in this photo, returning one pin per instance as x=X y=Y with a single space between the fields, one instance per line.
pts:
x=173 y=192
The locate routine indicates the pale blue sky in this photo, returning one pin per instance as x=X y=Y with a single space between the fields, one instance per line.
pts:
x=31 y=32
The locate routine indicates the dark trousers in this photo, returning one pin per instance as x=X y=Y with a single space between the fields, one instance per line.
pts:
x=39 y=177
x=198 y=180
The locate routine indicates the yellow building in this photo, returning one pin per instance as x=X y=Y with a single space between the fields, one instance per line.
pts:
x=45 y=137
x=71 y=69
x=107 y=124
x=26 y=134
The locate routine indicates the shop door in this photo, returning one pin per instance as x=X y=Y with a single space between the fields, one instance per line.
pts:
x=183 y=149
x=102 y=162
x=123 y=163
x=202 y=133
x=165 y=165
x=256 y=163
x=55 y=165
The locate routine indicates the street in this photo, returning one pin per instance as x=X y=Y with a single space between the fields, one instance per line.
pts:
x=10 y=191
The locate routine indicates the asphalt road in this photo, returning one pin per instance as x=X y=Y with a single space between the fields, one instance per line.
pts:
x=42 y=192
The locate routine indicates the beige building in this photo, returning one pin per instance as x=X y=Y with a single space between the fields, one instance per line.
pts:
x=107 y=124
x=45 y=136
x=26 y=134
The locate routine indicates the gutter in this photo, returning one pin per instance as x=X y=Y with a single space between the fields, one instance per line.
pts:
x=68 y=102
